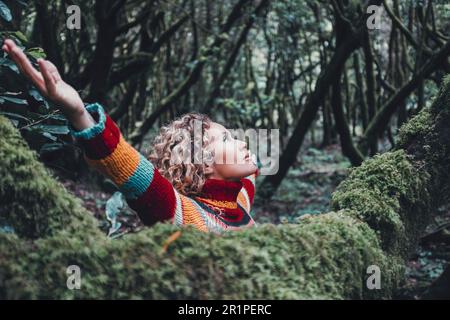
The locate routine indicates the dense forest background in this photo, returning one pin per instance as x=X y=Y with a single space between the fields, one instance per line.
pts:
x=337 y=87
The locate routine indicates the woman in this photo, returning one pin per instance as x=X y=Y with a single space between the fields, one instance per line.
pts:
x=214 y=195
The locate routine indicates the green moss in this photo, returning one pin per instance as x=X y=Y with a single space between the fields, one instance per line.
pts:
x=324 y=257
x=15 y=282
x=379 y=191
x=442 y=101
x=33 y=203
x=427 y=139
x=417 y=127
x=426 y=125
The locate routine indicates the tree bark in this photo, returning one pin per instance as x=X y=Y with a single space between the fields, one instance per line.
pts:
x=348 y=148
x=382 y=117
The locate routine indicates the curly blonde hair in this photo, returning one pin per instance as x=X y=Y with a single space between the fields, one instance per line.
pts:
x=176 y=141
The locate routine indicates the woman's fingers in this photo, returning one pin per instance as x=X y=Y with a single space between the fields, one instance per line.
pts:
x=49 y=78
x=53 y=70
x=24 y=64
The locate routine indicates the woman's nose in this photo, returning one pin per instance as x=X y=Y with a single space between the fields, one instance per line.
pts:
x=242 y=144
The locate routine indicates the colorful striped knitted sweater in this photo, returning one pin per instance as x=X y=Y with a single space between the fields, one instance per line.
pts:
x=223 y=206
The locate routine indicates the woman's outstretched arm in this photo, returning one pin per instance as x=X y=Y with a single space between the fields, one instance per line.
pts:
x=147 y=192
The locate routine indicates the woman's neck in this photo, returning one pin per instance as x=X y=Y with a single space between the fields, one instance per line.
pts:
x=221 y=190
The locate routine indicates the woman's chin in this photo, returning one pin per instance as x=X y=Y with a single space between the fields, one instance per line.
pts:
x=250 y=169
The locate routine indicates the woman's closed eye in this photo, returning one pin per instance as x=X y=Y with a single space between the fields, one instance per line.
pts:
x=226 y=136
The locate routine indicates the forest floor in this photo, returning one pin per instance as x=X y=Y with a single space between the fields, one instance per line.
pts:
x=305 y=191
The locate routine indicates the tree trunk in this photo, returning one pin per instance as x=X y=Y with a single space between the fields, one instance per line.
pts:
x=348 y=148
x=384 y=114
x=310 y=109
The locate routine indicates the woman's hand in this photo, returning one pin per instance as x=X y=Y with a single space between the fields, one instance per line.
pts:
x=50 y=84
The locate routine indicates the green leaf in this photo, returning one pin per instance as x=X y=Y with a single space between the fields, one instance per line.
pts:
x=54 y=129
x=38 y=97
x=49 y=136
x=10 y=64
x=52 y=146
x=35 y=94
x=113 y=208
x=58 y=117
x=14 y=100
x=19 y=38
x=19 y=35
x=36 y=52
x=22 y=3
x=16 y=116
x=5 y=13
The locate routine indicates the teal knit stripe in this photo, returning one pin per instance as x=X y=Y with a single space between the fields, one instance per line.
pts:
x=96 y=129
x=141 y=179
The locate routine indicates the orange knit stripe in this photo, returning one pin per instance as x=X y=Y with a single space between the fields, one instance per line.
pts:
x=120 y=164
x=191 y=214
x=243 y=201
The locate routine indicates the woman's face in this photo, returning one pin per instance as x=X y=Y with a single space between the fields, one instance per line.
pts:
x=232 y=159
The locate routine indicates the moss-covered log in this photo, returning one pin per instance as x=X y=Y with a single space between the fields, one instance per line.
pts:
x=379 y=212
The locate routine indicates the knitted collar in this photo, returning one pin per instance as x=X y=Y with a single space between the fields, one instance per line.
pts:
x=221 y=193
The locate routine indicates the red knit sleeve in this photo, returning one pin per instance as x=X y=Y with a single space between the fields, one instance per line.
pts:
x=146 y=191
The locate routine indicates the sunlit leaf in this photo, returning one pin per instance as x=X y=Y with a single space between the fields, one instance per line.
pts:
x=36 y=53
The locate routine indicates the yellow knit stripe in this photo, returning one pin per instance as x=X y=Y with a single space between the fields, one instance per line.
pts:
x=191 y=214
x=120 y=165
x=219 y=203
